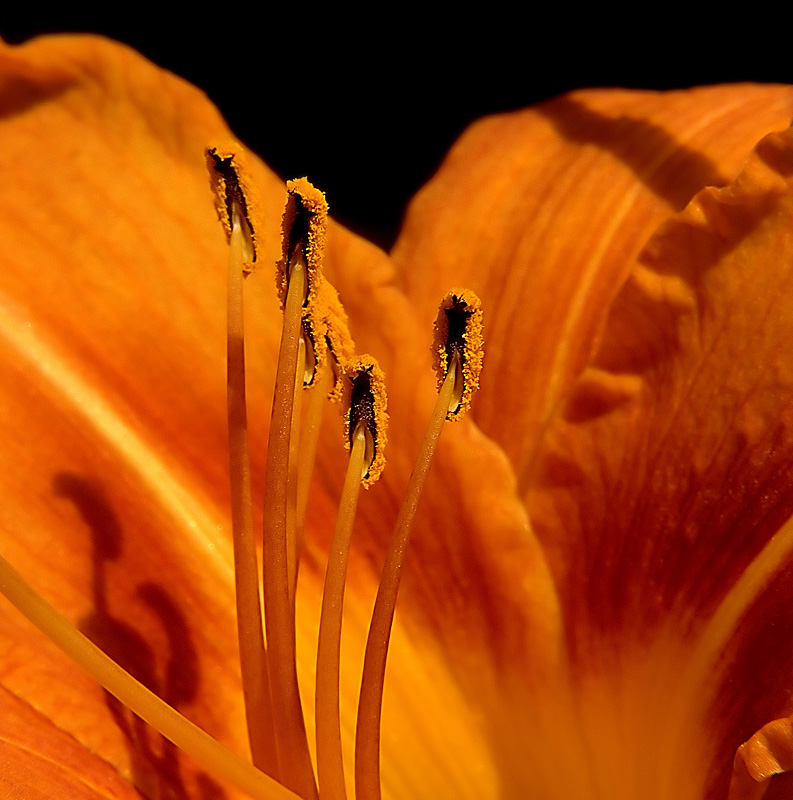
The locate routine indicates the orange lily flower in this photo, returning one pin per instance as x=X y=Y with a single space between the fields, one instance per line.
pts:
x=597 y=599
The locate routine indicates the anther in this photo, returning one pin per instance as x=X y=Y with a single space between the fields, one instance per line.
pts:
x=305 y=225
x=459 y=337
x=234 y=195
x=365 y=397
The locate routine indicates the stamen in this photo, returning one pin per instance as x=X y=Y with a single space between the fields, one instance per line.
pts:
x=304 y=231
x=327 y=384
x=313 y=324
x=330 y=765
x=367 y=735
x=253 y=658
x=366 y=417
x=299 y=279
x=210 y=754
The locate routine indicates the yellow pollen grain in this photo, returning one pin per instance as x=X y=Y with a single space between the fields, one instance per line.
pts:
x=459 y=331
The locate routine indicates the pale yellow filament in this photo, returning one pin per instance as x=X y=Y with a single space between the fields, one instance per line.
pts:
x=253 y=658
x=367 y=736
x=296 y=770
x=210 y=754
x=330 y=766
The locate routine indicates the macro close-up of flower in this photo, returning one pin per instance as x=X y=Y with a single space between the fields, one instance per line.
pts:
x=597 y=599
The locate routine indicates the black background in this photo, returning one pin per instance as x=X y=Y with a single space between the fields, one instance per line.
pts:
x=378 y=95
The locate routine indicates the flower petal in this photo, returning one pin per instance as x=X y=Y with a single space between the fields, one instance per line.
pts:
x=542 y=212
x=667 y=473
x=41 y=762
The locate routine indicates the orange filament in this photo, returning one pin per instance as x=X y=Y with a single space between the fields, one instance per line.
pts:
x=309 y=439
x=253 y=659
x=367 y=735
x=213 y=756
x=330 y=767
x=294 y=759
x=292 y=535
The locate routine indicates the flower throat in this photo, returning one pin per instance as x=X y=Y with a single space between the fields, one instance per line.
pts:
x=316 y=364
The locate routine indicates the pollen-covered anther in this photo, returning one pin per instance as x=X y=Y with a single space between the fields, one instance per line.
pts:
x=326 y=330
x=341 y=347
x=304 y=228
x=459 y=344
x=236 y=201
x=364 y=401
